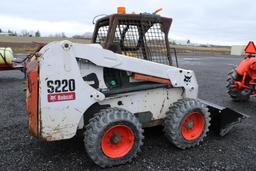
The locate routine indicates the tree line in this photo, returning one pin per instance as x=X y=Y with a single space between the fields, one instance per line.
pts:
x=26 y=33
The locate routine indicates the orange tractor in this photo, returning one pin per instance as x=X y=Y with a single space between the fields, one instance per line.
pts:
x=241 y=82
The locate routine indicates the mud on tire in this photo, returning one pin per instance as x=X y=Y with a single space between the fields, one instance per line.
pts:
x=187 y=123
x=115 y=129
x=235 y=94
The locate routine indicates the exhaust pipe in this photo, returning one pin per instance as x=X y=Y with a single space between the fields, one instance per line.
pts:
x=223 y=119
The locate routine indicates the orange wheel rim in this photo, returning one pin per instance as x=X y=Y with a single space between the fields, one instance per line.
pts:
x=117 y=141
x=192 y=126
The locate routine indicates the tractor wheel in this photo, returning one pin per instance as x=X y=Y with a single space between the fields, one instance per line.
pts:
x=236 y=94
x=187 y=123
x=113 y=137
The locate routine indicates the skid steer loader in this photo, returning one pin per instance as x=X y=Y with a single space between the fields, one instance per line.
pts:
x=113 y=88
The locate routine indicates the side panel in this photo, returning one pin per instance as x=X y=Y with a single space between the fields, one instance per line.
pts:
x=155 y=101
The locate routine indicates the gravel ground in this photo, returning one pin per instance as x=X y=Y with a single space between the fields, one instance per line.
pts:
x=236 y=151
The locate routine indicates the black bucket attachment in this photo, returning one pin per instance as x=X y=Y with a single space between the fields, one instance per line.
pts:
x=223 y=119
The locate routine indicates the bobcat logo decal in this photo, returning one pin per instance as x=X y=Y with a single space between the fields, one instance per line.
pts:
x=187 y=79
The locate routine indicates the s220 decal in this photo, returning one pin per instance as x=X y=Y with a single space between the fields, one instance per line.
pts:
x=61 y=90
x=58 y=86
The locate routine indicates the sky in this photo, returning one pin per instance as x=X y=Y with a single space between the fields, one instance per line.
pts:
x=225 y=22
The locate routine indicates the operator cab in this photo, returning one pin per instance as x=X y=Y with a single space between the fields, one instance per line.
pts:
x=143 y=36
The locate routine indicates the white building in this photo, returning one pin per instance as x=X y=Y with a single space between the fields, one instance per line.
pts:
x=237 y=50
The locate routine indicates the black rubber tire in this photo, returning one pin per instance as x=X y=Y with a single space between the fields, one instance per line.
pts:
x=175 y=116
x=235 y=94
x=101 y=122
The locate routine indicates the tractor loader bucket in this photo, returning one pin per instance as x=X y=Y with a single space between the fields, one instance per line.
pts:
x=223 y=119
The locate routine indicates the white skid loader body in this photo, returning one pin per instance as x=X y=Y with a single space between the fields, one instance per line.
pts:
x=64 y=96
